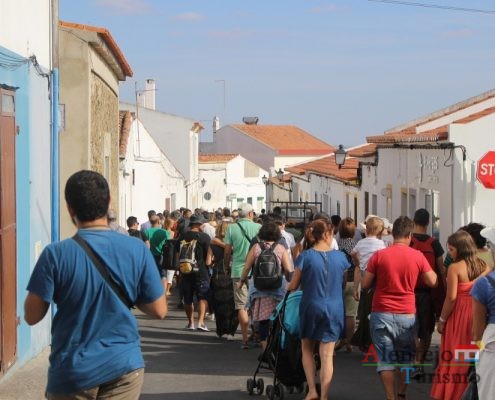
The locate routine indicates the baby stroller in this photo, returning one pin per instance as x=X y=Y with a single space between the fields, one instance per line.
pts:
x=283 y=354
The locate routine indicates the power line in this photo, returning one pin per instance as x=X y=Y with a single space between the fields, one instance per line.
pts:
x=437 y=6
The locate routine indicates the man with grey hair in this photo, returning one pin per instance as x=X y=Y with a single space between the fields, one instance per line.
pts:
x=113 y=224
x=237 y=242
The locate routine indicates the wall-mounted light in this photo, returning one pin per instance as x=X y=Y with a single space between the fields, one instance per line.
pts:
x=203 y=182
x=224 y=181
x=280 y=174
x=264 y=179
x=340 y=155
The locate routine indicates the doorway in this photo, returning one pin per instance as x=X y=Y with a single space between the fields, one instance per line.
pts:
x=8 y=271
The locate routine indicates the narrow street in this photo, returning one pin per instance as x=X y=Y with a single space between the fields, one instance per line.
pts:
x=188 y=365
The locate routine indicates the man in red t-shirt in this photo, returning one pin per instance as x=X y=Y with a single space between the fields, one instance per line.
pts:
x=395 y=271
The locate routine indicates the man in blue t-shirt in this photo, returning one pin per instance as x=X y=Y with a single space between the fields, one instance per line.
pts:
x=95 y=340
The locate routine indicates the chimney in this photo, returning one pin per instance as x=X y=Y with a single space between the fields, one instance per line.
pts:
x=216 y=124
x=250 y=120
x=149 y=94
x=141 y=99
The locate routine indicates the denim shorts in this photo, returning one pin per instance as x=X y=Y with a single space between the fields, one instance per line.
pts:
x=393 y=336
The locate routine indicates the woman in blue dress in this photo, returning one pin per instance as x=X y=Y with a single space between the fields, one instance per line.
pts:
x=320 y=272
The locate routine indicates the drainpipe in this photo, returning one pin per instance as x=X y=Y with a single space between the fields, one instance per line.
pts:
x=55 y=190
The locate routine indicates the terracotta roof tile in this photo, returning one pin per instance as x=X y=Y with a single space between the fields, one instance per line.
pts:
x=406 y=136
x=326 y=166
x=286 y=139
x=215 y=158
x=475 y=116
x=365 y=150
x=108 y=39
x=125 y=122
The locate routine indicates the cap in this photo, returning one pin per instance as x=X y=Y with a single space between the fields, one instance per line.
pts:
x=488 y=233
x=387 y=224
x=196 y=220
x=363 y=224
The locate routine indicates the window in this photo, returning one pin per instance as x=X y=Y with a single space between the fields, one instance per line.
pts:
x=338 y=207
x=250 y=200
x=374 y=204
x=403 y=202
x=366 y=204
x=412 y=202
x=8 y=103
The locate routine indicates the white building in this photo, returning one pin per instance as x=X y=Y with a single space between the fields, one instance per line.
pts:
x=178 y=139
x=431 y=163
x=322 y=181
x=227 y=180
x=148 y=179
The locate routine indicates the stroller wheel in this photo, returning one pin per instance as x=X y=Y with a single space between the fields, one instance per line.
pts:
x=260 y=385
x=250 y=385
x=270 y=392
x=280 y=391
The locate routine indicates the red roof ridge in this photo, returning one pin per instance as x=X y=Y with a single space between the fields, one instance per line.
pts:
x=109 y=40
x=444 y=111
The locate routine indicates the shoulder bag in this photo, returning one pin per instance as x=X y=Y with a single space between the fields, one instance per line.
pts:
x=103 y=270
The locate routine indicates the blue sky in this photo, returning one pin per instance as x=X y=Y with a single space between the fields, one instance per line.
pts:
x=341 y=70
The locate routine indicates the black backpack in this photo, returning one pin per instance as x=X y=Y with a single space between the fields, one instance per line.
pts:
x=170 y=259
x=267 y=271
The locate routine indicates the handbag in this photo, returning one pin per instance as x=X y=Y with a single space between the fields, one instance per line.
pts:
x=471 y=392
x=103 y=270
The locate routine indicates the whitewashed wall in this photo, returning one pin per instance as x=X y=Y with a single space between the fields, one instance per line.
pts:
x=155 y=177
x=236 y=184
x=472 y=201
x=24 y=28
x=174 y=135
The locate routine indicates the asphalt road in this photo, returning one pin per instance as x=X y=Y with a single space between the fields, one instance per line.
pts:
x=187 y=365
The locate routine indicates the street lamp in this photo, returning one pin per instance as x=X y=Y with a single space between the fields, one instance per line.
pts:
x=264 y=180
x=280 y=174
x=340 y=155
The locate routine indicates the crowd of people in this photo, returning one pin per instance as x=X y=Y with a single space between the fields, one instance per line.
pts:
x=375 y=287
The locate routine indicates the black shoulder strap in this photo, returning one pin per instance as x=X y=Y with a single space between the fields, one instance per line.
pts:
x=103 y=270
x=243 y=232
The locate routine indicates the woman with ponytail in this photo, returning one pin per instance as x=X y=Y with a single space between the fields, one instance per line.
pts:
x=456 y=320
x=320 y=272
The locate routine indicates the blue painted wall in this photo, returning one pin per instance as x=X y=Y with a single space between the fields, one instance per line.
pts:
x=32 y=192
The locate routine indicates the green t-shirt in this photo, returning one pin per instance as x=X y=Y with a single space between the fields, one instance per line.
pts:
x=157 y=237
x=239 y=243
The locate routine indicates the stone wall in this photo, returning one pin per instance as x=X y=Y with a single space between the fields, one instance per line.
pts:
x=104 y=141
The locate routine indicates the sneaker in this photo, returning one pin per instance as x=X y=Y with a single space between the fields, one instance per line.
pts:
x=244 y=346
x=211 y=317
x=418 y=373
x=190 y=327
x=230 y=338
x=221 y=337
x=203 y=328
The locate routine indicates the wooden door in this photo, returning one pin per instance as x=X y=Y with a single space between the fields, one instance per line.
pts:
x=8 y=271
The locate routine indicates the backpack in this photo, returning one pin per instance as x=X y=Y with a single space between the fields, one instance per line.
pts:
x=169 y=255
x=187 y=257
x=350 y=270
x=425 y=247
x=267 y=271
x=438 y=293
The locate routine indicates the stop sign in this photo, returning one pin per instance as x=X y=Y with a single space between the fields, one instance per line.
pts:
x=486 y=170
